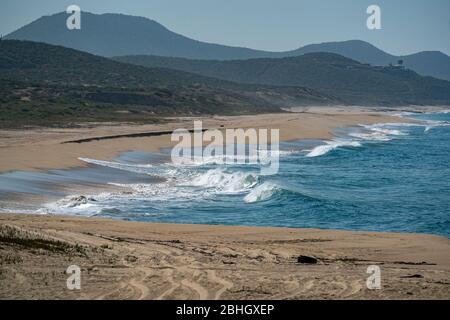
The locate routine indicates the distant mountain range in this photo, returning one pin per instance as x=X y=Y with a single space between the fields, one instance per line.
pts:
x=333 y=74
x=117 y=35
x=46 y=84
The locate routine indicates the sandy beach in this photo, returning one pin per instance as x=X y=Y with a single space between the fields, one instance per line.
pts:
x=156 y=151
x=140 y=260
x=45 y=148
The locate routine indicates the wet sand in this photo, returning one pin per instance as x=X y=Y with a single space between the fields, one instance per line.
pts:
x=140 y=260
x=47 y=148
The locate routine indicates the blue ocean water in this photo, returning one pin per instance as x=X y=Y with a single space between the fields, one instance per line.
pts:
x=383 y=177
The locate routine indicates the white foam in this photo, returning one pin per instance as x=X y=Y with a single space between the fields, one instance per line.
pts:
x=72 y=205
x=391 y=132
x=222 y=181
x=431 y=124
x=391 y=124
x=260 y=157
x=331 y=145
x=194 y=185
x=156 y=191
x=138 y=168
x=426 y=123
x=371 y=136
x=216 y=160
x=377 y=132
x=88 y=205
x=261 y=193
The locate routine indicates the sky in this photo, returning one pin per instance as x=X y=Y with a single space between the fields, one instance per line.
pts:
x=408 y=26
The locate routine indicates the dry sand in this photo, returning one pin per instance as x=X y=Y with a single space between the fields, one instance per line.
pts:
x=44 y=148
x=131 y=260
x=140 y=260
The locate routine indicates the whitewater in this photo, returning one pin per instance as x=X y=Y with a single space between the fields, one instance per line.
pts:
x=381 y=177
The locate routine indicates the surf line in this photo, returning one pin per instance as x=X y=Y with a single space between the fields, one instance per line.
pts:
x=236 y=146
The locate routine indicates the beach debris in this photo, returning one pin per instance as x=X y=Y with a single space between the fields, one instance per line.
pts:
x=413 y=276
x=306 y=260
x=75 y=201
x=130 y=258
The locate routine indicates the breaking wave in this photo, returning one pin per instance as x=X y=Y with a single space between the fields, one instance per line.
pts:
x=306 y=192
x=262 y=192
x=329 y=146
x=222 y=181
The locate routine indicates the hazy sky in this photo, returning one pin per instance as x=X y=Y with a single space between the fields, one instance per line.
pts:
x=408 y=26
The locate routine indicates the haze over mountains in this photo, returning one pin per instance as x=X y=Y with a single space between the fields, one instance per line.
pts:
x=117 y=35
x=78 y=80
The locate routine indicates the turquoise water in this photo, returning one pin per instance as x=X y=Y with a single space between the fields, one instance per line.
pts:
x=384 y=177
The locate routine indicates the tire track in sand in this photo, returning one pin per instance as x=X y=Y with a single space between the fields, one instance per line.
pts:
x=173 y=287
x=226 y=285
x=194 y=286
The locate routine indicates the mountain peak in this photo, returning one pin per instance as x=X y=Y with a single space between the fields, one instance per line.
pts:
x=114 y=34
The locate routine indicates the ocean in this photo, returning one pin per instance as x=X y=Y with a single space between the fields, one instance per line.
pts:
x=384 y=177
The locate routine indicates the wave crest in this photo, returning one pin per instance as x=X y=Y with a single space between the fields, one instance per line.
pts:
x=331 y=145
x=223 y=181
x=262 y=192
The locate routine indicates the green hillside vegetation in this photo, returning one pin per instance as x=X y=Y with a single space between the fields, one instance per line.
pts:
x=51 y=85
x=112 y=34
x=351 y=81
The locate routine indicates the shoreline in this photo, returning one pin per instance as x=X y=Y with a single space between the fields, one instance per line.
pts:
x=122 y=259
x=142 y=260
x=43 y=149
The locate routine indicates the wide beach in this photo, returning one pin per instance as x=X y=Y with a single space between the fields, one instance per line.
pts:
x=47 y=148
x=143 y=260
x=140 y=260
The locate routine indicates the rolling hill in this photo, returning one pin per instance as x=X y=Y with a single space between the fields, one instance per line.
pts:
x=42 y=84
x=427 y=63
x=45 y=84
x=116 y=35
x=351 y=81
